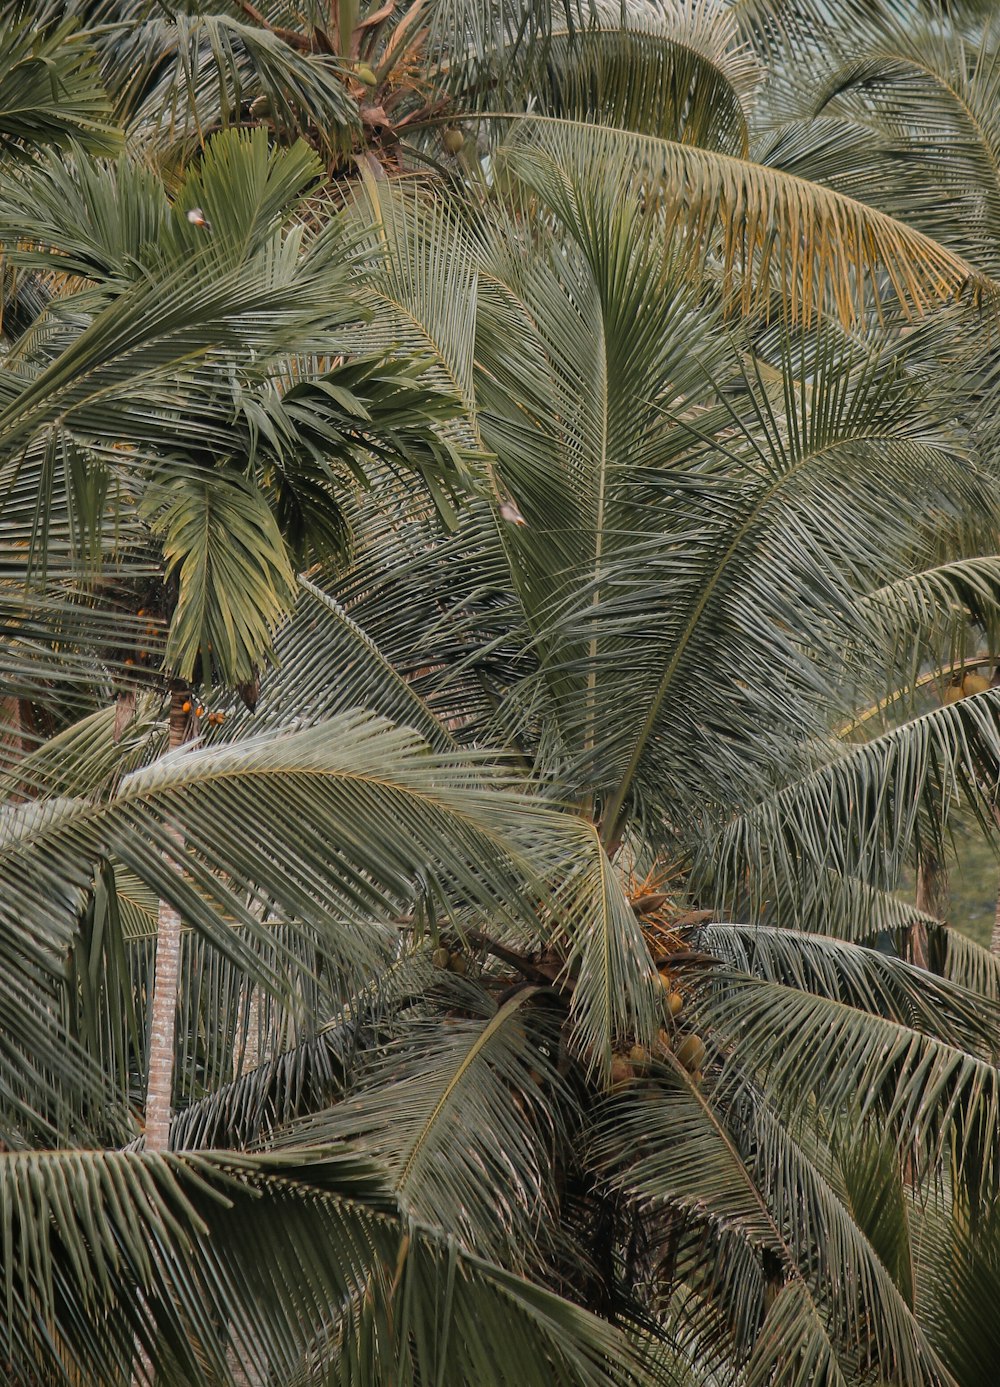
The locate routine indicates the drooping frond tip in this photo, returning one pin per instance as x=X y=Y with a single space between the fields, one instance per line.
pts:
x=777 y=242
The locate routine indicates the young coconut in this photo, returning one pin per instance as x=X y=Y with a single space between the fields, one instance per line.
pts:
x=440 y=958
x=974 y=683
x=453 y=139
x=458 y=965
x=675 y=1002
x=691 y=1052
x=622 y=1073
x=365 y=74
x=639 y=1058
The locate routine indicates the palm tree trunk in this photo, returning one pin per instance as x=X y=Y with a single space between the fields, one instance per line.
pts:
x=995 y=937
x=933 y=898
x=163 y=1010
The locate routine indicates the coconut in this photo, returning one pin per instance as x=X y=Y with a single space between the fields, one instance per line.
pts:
x=453 y=139
x=364 y=74
x=441 y=958
x=622 y=1072
x=691 y=1052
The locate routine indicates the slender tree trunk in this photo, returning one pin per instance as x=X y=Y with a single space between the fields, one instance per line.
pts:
x=163 y=1017
x=933 y=898
x=995 y=937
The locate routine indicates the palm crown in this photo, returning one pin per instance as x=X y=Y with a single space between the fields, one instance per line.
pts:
x=545 y=1009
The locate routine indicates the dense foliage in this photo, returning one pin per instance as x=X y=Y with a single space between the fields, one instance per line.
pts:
x=498 y=512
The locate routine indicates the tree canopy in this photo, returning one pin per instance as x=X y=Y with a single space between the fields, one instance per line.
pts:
x=498 y=588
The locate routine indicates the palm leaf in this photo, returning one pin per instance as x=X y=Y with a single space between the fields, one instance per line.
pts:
x=50 y=86
x=820 y=245
x=730 y=1166
x=178 y=80
x=112 y=1255
x=234 y=580
x=683 y=78
x=874 y=791
x=457 y=1113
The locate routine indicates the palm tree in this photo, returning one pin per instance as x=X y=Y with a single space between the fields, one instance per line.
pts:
x=247 y=431
x=551 y=1018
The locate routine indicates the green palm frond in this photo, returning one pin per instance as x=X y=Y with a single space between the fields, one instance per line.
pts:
x=878 y=1203
x=338 y=863
x=616 y=993
x=683 y=78
x=125 y=1261
x=490 y=1326
x=280 y=1085
x=50 y=86
x=938 y=1095
x=352 y=770
x=84 y=758
x=223 y=547
x=422 y=277
x=970 y=965
x=324 y=635
x=932 y=98
x=860 y=977
x=736 y=1176
x=180 y=79
x=759 y=218
x=212 y=1263
x=463 y=39
x=314 y=430
x=98 y=219
x=955 y=1271
x=874 y=793
x=943 y=599
x=460 y=1113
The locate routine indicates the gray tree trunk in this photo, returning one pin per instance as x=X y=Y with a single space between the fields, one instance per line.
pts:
x=163 y=1009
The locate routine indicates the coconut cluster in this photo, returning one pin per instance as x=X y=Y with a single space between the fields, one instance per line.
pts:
x=686 y=1049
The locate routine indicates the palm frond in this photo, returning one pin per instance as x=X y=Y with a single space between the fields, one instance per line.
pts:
x=50 y=86
x=932 y=98
x=874 y=792
x=212 y=1263
x=616 y=993
x=736 y=1176
x=680 y=75
x=461 y=1113
x=860 y=977
x=821 y=246
x=323 y=636
x=938 y=1096
x=234 y=582
x=178 y=80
